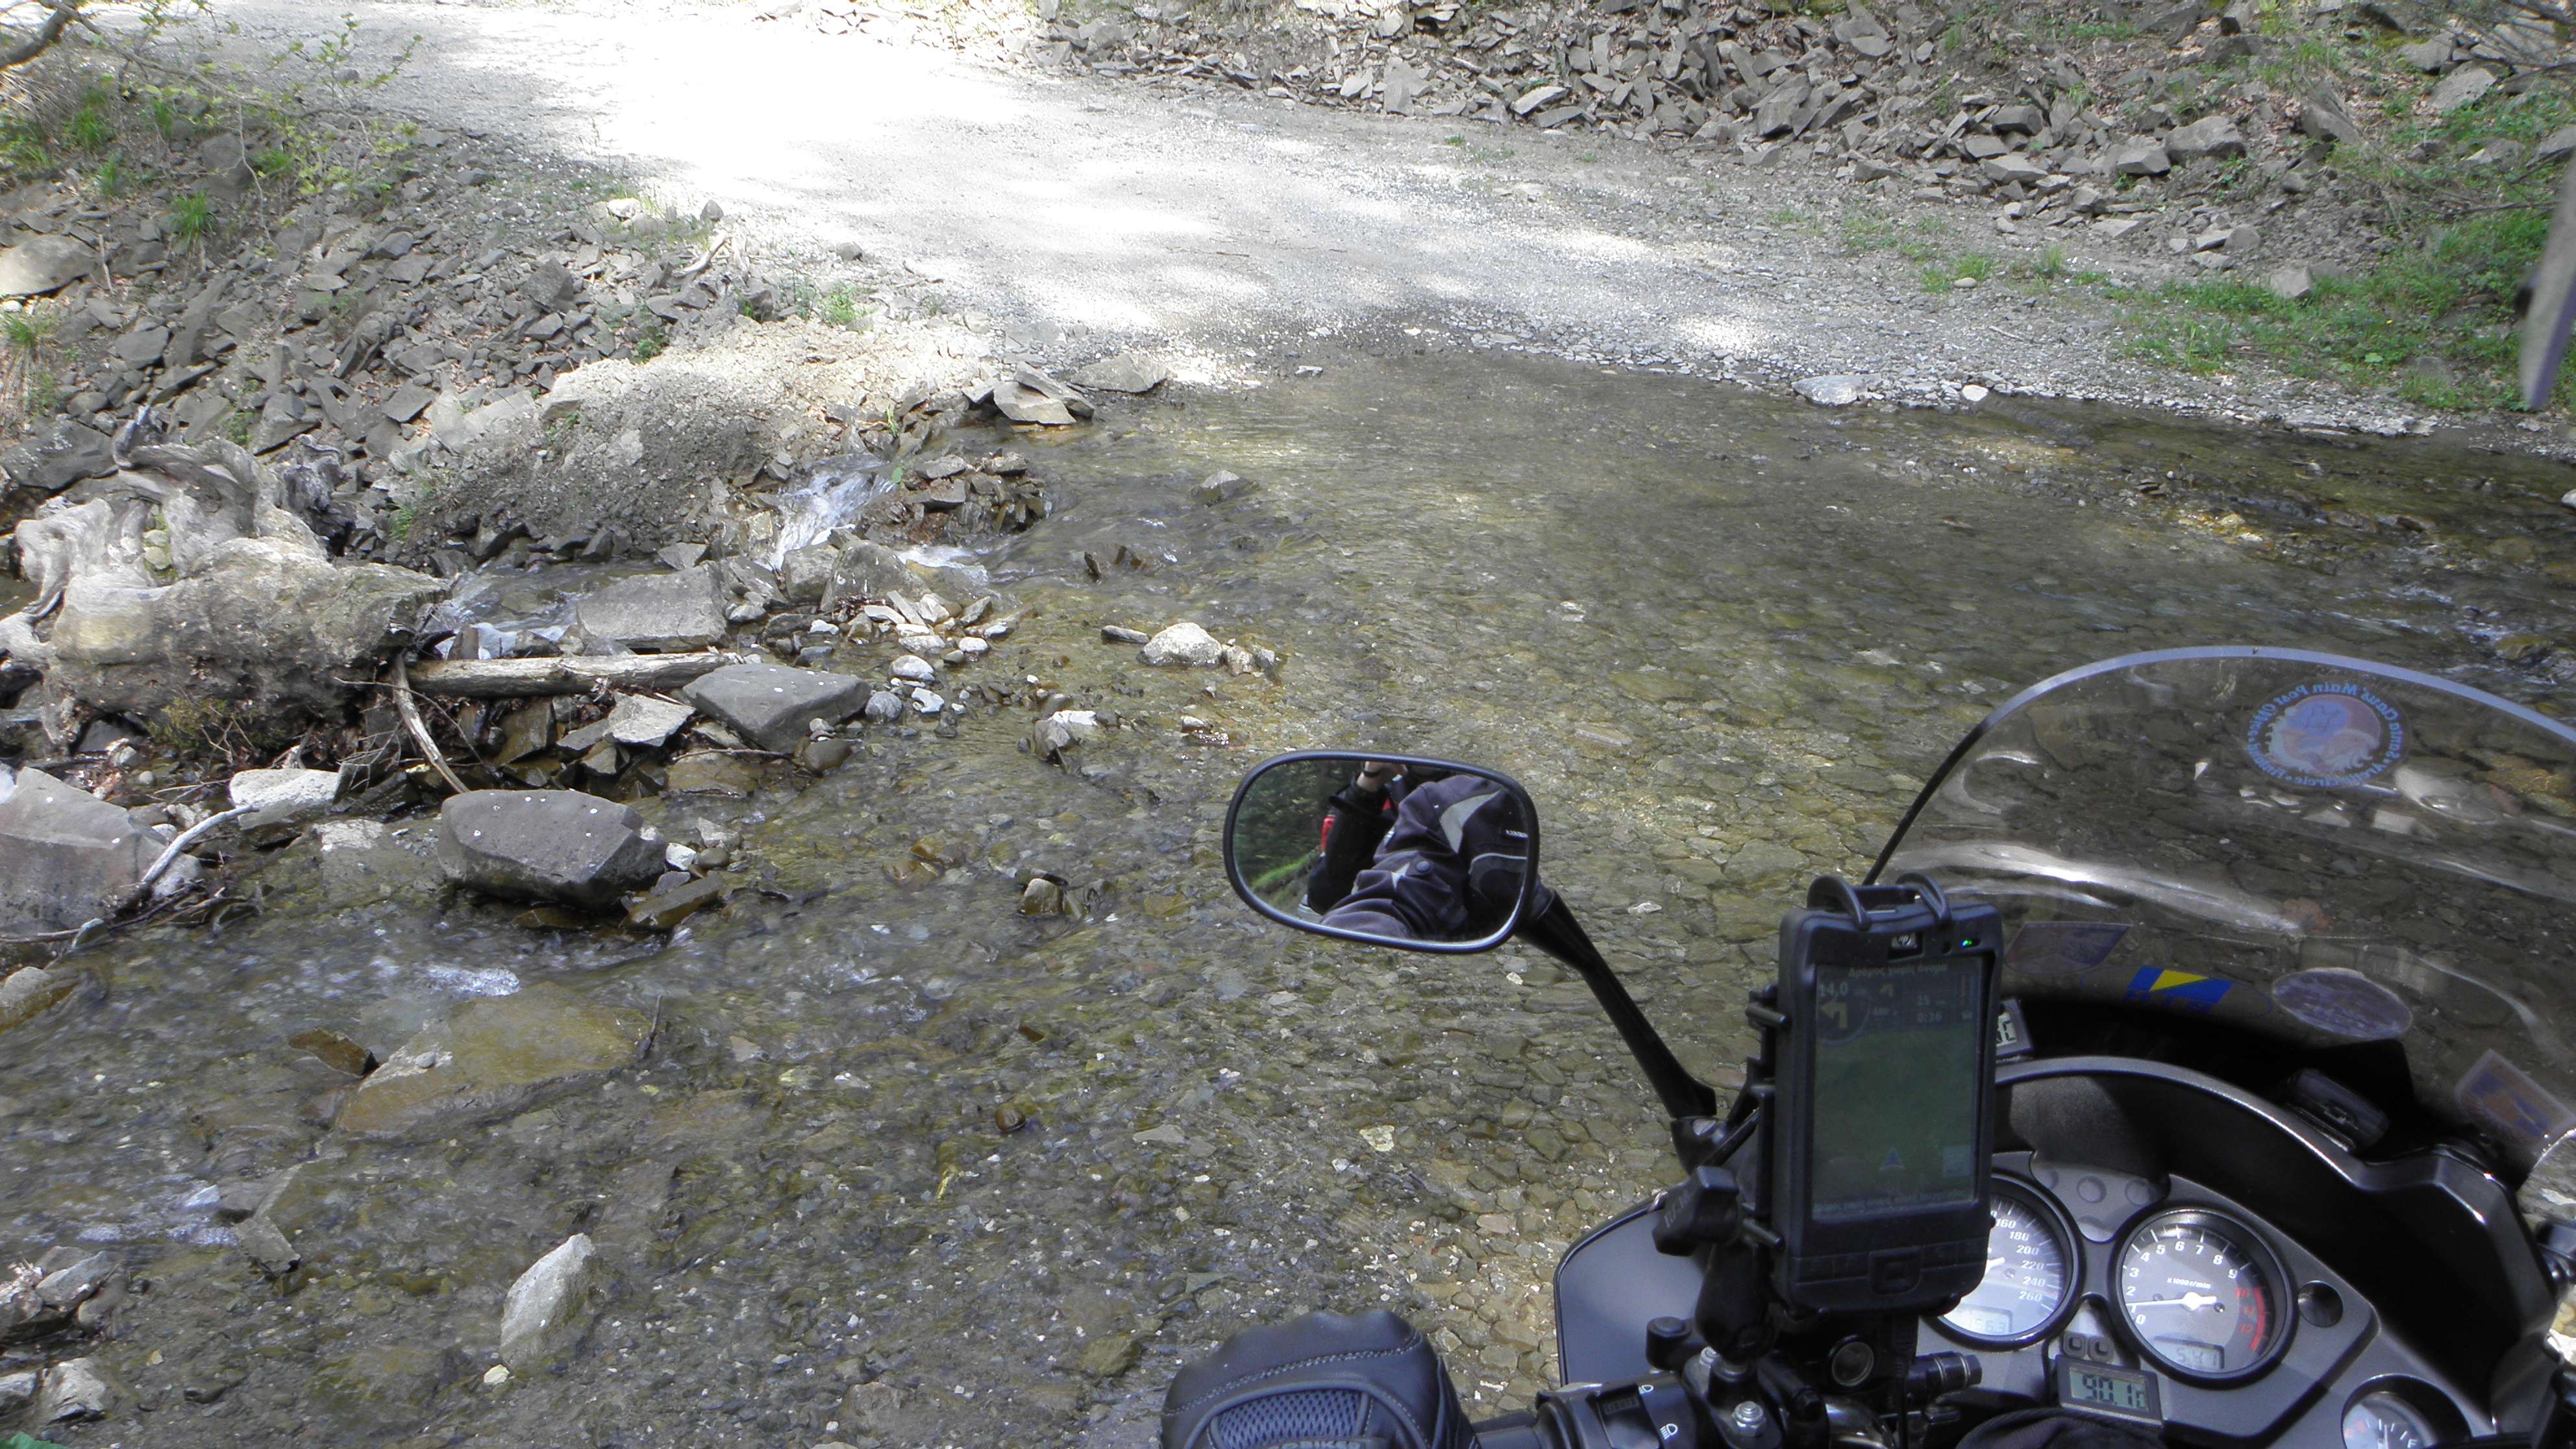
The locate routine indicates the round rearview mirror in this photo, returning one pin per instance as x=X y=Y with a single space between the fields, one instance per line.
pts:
x=1424 y=855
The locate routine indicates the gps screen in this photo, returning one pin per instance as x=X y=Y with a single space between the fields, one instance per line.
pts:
x=1895 y=1104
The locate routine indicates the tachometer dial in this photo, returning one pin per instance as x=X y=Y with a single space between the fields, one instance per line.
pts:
x=2382 y=1420
x=2029 y=1275
x=2202 y=1295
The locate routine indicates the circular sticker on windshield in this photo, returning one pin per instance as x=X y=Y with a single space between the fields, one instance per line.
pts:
x=2324 y=735
x=2346 y=1003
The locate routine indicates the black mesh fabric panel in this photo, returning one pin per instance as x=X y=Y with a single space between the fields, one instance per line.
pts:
x=1299 y=1416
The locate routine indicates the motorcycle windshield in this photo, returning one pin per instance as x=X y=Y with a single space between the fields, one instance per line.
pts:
x=2315 y=848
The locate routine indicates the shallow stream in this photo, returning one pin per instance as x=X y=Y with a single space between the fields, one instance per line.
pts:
x=1007 y=1171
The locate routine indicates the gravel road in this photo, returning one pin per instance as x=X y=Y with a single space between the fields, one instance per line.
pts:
x=1079 y=213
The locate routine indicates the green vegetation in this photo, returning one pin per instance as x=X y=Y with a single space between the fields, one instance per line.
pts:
x=191 y=216
x=840 y=307
x=89 y=128
x=652 y=341
x=2434 y=321
x=1947 y=273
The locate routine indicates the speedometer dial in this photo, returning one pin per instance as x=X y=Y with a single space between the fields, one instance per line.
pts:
x=2029 y=1279
x=2202 y=1296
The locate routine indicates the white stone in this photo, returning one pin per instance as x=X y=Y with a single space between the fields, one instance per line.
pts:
x=1975 y=393
x=74 y=1389
x=643 y=720
x=972 y=647
x=286 y=794
x=1831 y=390
x=679 y=857
x=1184 y=646
x=541 y=1315
x=915 y=668
x=927 y=702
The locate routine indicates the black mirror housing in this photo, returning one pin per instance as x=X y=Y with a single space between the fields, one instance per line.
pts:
x=1404 y=851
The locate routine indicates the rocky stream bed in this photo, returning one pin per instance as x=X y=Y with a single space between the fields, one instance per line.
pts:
x=968 y=1101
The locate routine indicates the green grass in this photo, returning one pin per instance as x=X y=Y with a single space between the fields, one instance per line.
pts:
x=90 y=128
x=113 y=178
x=26 y=333
x=651 y=342
x=191 y=217
x=1946 y=273
x=2473 y=232
x=2449 y=300
x=840 y=307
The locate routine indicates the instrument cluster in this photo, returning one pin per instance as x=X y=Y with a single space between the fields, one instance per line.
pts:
x=2156 y=1301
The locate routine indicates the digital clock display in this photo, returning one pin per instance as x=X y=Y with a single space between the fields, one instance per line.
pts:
x=2107 y=1390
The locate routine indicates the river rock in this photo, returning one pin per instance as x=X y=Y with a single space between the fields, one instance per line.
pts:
x=870 y=573
x=282 y=796
x=1762 y=860
x=1832 y=390
x=76 y=1388
x=1129 y=372
x=541 y=1316
x=884 y=707
x=804 y=573
x=32 y=991
x=66 y=856
x=65 y=1287
x=1184 y=646
x=546 y=845
x=1061 y=731
x=267 y=1244
x=658 y=612
x=638 y=720
x=711 y=772
x=913 y=668
x=43 y=264
x=64 y=456
x=771 y=703
x=17 y=1391
x=2292 y=282
x=491 y=1057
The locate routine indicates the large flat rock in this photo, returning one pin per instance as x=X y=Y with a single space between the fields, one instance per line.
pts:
x=43 y=264
x=493 y=1056
x=659 y=612
x=771 y=703
x=546 y=845
x=66 y=856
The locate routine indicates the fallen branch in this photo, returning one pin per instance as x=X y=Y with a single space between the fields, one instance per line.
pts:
x=411 y=719
x=580 y=674
x=186 y=838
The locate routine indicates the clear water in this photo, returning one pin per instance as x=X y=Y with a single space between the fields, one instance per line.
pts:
x=1720 y=638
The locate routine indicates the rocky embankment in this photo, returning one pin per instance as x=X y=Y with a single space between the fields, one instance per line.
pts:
x=2156 y=124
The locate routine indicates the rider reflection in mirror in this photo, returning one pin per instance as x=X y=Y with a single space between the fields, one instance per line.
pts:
x=1356 y=820
x=1448 y=869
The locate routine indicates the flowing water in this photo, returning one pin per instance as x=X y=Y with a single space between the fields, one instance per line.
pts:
x=1002 y=1173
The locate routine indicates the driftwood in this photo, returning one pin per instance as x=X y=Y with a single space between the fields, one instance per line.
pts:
x=420 y=730
x=578 y=674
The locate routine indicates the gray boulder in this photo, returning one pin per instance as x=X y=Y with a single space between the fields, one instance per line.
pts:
x=2140 y=158
x=1129 y=372
x=541 y=1316
x=63 y=457
x=2322 y=115
x=66 y=856
x=281 y=796
x=2209 y=136
x=188 y=579
x=2462 y=88
x=74 y=1389
x=804 y=573
x=1833 y=390
x=655 y=612
x=1184 y=646
x=870 y=572
x=546 y=845
x=770 y=703
x=43 y=264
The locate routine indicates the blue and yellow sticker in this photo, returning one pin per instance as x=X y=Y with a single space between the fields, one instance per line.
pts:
x=2177 y=990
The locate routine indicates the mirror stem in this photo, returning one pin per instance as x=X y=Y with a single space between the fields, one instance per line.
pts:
x=1555 y=931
